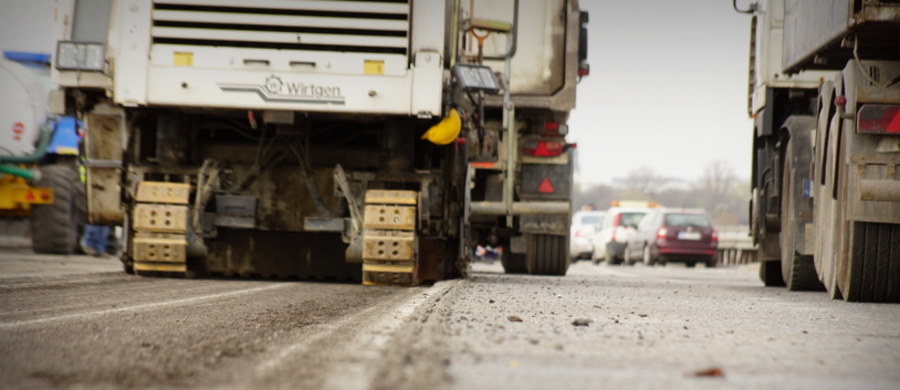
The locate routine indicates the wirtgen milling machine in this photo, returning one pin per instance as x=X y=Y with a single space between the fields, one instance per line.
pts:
x=327 y=139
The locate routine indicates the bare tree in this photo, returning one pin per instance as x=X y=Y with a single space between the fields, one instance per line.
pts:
x=645 y=181
x=718 y=177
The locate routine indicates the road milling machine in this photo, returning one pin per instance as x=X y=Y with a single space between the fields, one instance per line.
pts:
x=371 y=140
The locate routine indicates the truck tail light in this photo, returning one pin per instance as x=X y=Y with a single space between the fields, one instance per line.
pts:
x=543 y=148
x=878 y=119
x=584 y=69
x=552 y=129
x=714 y=239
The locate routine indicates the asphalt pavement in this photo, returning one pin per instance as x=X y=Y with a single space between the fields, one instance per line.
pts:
x=79 y=322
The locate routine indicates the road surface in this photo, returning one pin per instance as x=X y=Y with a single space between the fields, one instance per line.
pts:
x=79 y=322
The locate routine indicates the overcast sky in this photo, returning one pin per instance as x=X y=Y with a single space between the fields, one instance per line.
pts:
x=667 y=90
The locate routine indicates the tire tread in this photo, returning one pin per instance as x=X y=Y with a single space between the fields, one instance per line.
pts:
x=55 y=227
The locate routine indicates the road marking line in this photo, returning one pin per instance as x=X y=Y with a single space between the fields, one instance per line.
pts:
x=16 y=324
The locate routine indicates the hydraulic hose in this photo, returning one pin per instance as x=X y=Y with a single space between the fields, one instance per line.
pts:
x=25 y=173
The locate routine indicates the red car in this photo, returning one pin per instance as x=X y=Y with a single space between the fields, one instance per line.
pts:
x=667 y=235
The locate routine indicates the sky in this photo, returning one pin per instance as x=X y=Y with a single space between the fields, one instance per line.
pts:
x=667 y=90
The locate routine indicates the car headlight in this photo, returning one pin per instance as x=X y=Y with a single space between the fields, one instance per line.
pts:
x=79 y=56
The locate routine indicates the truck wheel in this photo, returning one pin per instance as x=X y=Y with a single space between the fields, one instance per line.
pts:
x=770 y=273
x=513 y=263
x=798 y=271
x=870 y=275
x=56 y=228
x=546 y=254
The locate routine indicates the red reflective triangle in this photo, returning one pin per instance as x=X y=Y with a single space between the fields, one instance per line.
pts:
x=29 y=195
x=546 y=187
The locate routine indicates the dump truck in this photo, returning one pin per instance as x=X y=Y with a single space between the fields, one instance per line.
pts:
x=825 y=99
x=365 y=140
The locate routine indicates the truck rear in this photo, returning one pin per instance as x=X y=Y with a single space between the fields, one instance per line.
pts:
x=309 y=139
x=826 y=210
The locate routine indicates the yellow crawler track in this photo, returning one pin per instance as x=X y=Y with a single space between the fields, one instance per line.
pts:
x=390 y=248
x=159 y=221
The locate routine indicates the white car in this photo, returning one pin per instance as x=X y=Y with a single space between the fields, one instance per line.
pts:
x=584 y=226
x=618 y=226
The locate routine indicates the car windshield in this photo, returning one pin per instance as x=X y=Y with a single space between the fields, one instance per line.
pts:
x=631 y=219
x=592 y=220
x=686 y=220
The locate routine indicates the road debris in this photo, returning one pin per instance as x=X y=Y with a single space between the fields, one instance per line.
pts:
x=582 y=322
x=514 y=319
x=712 y=372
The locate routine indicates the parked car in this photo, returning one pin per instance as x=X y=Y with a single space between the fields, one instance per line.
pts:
x=584 y=226
x=619 y=224
x=666 y=235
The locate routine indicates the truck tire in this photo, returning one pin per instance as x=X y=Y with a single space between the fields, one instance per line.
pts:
x=770 y=273
x=546 y=254
x=872 y=274
x=513 y=263
x=56 y=228
x=798 y=271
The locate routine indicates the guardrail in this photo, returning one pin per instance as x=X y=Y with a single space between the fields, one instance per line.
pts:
x=735 y=245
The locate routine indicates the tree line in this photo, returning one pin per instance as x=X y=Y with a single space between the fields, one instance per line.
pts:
x=718 y=191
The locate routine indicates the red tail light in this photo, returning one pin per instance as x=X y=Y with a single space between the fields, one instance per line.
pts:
x=542 y=148
x=662 y=233
x=714 y=239
x=553 y=129
x=878 y=119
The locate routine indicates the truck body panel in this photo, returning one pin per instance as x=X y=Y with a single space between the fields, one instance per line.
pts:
x=820 y=32
x=766 y=67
